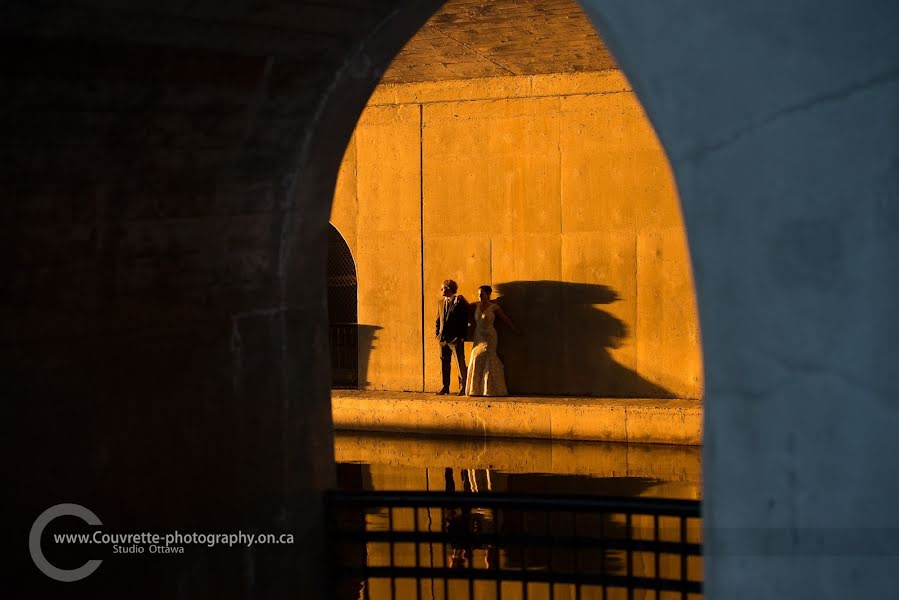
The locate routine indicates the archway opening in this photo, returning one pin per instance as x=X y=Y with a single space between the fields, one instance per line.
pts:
x=489 y=154
x=343 y=312
x=492 y=155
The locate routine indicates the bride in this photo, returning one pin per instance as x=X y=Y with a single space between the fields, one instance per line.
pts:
x=485 y=371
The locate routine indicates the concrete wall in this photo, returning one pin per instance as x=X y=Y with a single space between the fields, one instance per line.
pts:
x=780 y=122
x=552 y=189
x=164 y=340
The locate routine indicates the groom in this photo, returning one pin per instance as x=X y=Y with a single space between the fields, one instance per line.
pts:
x=452 y=323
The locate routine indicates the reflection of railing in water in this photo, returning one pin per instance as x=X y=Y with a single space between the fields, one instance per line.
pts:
x=344 y=340
x=431 y=545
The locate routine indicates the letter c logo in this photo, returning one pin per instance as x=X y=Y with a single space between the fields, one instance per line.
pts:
x=34 y=542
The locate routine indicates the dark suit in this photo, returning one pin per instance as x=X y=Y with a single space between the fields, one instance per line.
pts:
x=450 y=329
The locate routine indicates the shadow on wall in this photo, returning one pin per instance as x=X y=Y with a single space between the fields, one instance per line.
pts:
x=564 y=347
x=367 y=337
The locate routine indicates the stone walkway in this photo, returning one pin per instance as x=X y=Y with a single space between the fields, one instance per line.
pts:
x=660 y=421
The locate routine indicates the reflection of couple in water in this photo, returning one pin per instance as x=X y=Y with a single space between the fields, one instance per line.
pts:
x=483 y=376
x=463 y=525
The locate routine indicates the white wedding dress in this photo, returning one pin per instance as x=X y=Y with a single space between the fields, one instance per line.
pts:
x=485 y=370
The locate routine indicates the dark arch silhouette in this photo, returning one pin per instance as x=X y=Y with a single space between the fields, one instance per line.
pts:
x=343 y=313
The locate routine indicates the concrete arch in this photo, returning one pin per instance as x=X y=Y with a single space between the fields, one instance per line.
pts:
x=778 y=120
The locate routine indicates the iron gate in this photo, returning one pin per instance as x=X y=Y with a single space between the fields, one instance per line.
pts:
x=342 y=312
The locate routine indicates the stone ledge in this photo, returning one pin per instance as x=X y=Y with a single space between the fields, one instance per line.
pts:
x=674 y=421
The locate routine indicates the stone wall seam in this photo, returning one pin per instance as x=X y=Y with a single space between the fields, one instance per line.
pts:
x=500 y=97
x=422 y=93
x=421 y=232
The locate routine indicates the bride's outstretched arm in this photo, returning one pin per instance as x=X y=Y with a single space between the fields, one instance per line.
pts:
x=506 y=319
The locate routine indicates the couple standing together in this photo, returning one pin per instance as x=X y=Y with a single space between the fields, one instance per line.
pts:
x=484 y=374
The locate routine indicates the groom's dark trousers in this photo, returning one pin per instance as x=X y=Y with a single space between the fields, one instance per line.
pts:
x=447 y=351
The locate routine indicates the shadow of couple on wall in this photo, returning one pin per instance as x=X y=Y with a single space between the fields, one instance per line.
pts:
x=565 y=342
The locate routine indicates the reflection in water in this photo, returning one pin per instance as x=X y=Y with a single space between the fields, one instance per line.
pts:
x=507 y=540
x=410 y=462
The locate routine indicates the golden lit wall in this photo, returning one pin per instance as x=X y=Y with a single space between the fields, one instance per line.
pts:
x=552 y=189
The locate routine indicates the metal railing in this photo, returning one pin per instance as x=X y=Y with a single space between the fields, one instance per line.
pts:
x=429 y=545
